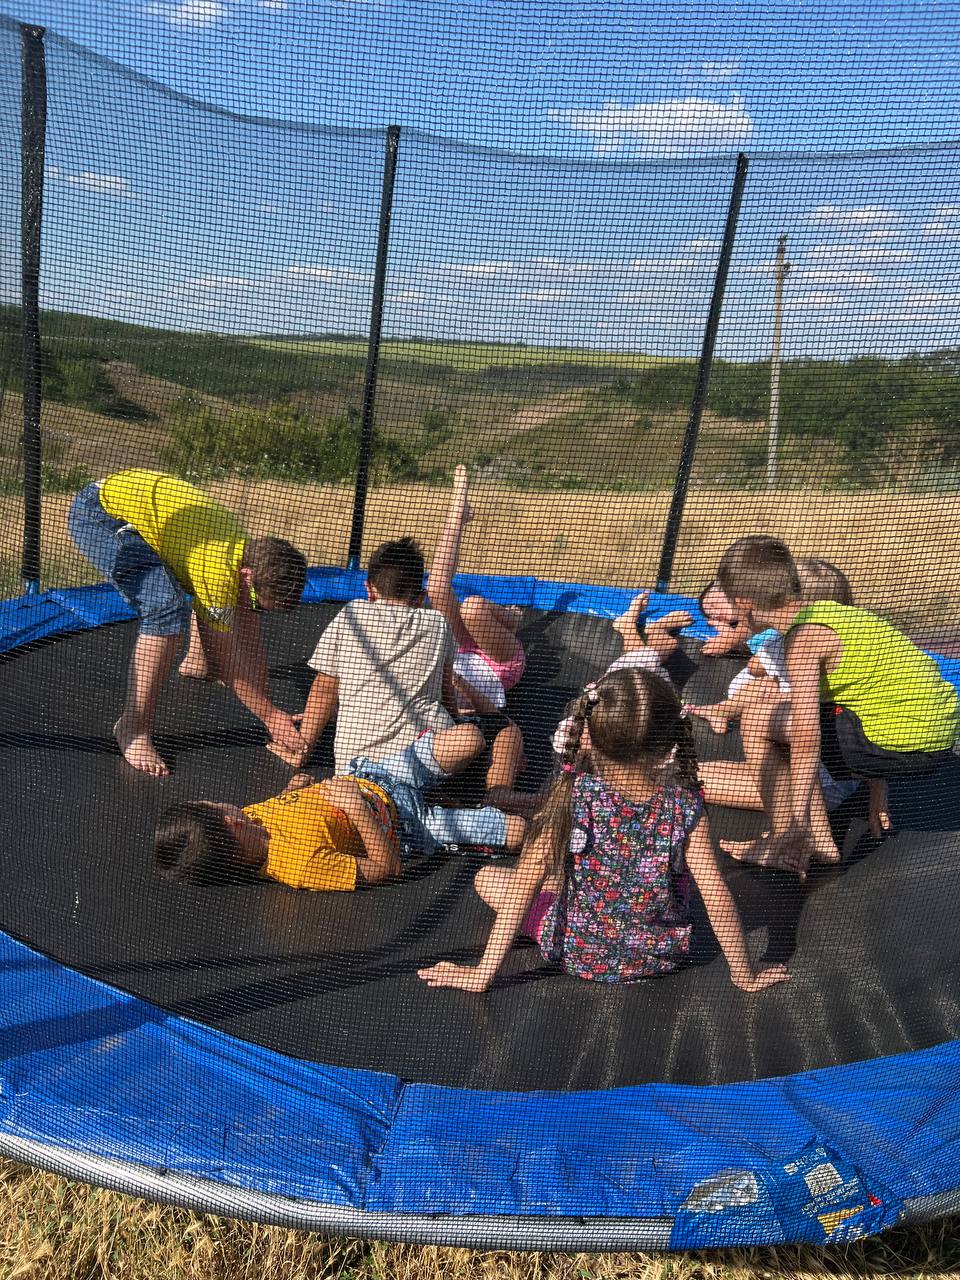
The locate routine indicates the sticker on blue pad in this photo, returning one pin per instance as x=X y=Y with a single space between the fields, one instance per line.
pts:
x=817 y=1197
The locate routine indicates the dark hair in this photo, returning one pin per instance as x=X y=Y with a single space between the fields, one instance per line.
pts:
x=194 y=845
x=759 y=569
x=396 y=570
x=279 y=570
x=821 y=580
x=635 y=717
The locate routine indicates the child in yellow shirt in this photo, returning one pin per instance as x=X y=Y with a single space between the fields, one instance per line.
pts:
x=350 y=830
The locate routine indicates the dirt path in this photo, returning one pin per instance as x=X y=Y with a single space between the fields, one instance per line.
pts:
x=544 y=411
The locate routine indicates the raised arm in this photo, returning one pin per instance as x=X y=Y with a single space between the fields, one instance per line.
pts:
x=525 y=883
x=444 y=565
x=723 y=915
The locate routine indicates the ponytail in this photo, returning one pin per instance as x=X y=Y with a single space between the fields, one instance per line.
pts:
x=554 y=819
x=688 y=768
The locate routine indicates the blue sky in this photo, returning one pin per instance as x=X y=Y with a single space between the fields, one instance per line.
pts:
x=162 y=213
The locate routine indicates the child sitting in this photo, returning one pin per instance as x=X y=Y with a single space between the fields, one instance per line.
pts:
x=351 y=830
x=490 y=659
x=601 y=884
x=863 y=698
x=646 y=644
x=384 y=665
x=765 y=676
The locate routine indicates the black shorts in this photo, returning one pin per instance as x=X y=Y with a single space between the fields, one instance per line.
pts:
x=847 y=752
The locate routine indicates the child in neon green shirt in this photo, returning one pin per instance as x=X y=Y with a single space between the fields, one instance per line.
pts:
x=863 y=698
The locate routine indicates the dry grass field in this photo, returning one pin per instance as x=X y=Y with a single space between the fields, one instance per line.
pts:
x=51 y=1229
x=899 y=550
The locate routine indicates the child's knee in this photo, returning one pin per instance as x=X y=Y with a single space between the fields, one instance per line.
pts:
x=473 y=608
x=516 y=831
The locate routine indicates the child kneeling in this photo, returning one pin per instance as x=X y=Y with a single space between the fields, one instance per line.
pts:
x=349 y=831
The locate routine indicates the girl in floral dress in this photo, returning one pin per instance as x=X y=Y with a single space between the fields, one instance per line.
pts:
x=602 y=882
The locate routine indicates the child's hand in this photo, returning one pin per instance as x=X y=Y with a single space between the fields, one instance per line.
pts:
x=675 y=621
x=293 y=758
x=766 y=976
x=464 y=977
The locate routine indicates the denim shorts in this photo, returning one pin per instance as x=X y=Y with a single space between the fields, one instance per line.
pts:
x=130 y=563
x=405 y=777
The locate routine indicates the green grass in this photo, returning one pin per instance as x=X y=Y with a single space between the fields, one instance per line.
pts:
x=471 y=357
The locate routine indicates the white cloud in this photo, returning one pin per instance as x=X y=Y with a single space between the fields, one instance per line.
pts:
x=715 y=70
x=856 y=254
x=188 y=13
x=866 y=217
x=328 y=275
x=815 y=301
x=852 y=279
x=101 y=184
x=547 y=295
x=221 y=282
x=272 y=4
x=672 y=126
x=702 y=245
x=944 y=223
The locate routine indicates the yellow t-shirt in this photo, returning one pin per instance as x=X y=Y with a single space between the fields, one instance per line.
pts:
x=195 y=537
x=313 y=844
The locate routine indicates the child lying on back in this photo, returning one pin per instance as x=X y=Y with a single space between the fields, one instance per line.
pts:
x=351 y=830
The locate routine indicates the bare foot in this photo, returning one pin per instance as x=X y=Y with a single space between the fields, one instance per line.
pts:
x=513 y=616
x=715 y=716
x=626 y=624
x=780 y=853
x=194 y=669
x=139 y=752
x=460 y=493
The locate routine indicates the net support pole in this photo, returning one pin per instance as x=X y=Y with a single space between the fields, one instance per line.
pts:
x=33 y=126
x=365 y=449
x=682 y=483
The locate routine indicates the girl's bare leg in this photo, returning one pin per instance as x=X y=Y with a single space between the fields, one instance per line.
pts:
x=507 y=759
x=487 y=628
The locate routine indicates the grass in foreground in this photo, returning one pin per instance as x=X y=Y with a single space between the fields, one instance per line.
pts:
x=53 y=1229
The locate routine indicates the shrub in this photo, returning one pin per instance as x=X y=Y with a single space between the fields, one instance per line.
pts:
x=278 y=442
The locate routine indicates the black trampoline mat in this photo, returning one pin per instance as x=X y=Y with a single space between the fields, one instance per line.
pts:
x=873 y=946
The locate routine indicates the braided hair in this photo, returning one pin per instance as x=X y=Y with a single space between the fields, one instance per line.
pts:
x=634 y=717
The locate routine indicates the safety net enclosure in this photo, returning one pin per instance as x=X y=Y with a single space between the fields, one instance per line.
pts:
x=644 y=334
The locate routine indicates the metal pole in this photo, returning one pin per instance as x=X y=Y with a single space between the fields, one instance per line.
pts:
x=373 y=349
x=682 y=483
x=779 y=275
x=33 y=124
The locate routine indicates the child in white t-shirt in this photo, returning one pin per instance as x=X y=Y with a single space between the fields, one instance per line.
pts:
x=384 y=665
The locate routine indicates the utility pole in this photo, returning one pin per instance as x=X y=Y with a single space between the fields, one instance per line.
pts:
x=780 y=272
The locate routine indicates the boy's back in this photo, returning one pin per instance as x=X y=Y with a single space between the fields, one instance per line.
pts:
x=388 y=659
x=896 y=690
